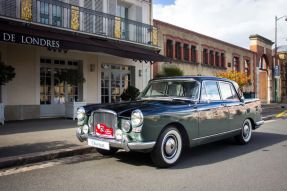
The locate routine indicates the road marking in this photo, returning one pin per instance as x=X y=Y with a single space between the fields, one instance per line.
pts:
x=47 y=164
x=283 y=113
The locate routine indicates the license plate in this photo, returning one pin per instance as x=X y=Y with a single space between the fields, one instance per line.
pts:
x=99 y=144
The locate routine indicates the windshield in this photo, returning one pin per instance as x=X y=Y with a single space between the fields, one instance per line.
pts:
x=165 y=88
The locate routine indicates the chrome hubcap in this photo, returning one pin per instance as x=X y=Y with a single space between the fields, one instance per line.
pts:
x=246 y=131
x=170 y=146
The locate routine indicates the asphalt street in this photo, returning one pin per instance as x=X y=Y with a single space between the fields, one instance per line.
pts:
x=260 y=165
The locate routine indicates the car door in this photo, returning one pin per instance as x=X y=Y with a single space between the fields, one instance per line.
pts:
x=235 y=106
x=213 y=115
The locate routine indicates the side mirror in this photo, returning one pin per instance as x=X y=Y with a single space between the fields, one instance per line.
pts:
x=242 y=99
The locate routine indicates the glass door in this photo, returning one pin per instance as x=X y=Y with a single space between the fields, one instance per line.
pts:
x=55 y=91
x=114 y=79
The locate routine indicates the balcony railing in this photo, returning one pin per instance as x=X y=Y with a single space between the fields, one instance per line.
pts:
x=70 y=17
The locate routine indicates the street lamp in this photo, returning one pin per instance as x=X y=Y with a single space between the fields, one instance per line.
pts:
x=275 y=55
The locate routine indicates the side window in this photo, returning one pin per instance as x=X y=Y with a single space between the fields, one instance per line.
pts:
x=211 y=89
x=227 y=91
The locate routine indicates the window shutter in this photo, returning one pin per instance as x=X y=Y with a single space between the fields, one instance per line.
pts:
x=139 y=14
x=99 y=5
x=74 y=2
x=112 y=7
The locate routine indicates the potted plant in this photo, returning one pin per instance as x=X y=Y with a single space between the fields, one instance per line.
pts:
x=130 y=94
x=7 y=73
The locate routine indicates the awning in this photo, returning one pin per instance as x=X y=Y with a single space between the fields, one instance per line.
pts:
x=69 y=40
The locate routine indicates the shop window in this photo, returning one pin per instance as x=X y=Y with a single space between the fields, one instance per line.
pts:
x=169 y=49
x=211 y=57
x=222 y=57
x=178 y=50
x=193 y=54
x=217 y=58
x=44 y=13
x=247 y=67
x=205 y=56
x=186 y=52
x=236 y=64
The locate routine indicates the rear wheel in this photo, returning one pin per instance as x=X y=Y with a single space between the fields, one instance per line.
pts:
x=246 y=133
x=110 y=152
x=168 y=148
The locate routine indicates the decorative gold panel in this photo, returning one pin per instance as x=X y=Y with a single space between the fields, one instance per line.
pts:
x=117 y=27
x=154 y=37
x=26 y=10
x=75 y=18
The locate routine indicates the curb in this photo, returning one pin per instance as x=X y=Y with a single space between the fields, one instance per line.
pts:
x=43 y=156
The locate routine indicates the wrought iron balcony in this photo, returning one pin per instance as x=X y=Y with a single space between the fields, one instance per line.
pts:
x=54 y=13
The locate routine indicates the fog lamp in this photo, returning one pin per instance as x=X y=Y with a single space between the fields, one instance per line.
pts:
x=126 y=125
x=85 y=129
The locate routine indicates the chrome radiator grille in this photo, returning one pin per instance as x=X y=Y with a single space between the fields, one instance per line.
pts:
x=106 y=117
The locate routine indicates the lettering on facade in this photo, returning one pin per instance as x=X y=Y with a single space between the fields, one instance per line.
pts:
x=30 y=40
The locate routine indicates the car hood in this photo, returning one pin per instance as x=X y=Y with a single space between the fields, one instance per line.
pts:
x=147 y=107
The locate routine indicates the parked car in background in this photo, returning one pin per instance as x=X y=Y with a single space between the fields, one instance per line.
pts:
x=171 y=113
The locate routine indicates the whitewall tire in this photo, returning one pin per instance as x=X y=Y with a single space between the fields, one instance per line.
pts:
x=168 y=148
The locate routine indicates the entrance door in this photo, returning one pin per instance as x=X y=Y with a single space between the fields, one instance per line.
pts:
x=54 y=91
x=114 y=79
x=263 y=88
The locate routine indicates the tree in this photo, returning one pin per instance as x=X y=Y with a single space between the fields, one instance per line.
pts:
x=7 y=73
x=240 y=78
x=130 y=94
x=170 y=71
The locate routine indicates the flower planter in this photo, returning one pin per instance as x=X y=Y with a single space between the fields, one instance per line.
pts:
x=71 y=109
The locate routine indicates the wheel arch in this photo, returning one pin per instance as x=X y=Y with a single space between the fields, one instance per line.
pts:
x=252 y=122
x=182 y=131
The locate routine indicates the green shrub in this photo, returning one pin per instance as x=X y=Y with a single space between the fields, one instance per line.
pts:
x=130 y=94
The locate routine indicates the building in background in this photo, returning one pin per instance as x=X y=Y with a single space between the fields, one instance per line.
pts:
x=198 y=54
x=108 y=42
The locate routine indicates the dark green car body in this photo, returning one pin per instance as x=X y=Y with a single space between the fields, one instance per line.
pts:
x=198 y=120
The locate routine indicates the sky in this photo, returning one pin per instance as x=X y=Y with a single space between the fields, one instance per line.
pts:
x=232 y=21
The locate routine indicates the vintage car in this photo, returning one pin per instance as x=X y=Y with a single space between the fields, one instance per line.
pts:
x=171 y=113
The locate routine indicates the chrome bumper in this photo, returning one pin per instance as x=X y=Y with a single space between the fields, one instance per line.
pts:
x=258 y=123
x=124 y=144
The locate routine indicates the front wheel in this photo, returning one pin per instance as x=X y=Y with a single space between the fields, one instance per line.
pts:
x=246 y=133
x=110 y=152
x=168 y=148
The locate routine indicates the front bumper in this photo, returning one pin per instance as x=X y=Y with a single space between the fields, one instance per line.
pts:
x=127 y=146
x=258 y=124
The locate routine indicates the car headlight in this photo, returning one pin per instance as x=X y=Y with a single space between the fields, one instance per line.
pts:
x=125 y=125
x=81 y=114
x=85 y=129
x=137 y=118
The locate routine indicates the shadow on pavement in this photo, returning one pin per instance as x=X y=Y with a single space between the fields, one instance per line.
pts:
x=36 y=125
x=32 y=148
x=209 y=153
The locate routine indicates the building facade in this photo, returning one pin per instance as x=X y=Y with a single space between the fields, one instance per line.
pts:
x=108 y=43
x=198 y=54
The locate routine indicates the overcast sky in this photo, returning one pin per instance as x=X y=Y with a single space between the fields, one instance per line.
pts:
x=229 y=20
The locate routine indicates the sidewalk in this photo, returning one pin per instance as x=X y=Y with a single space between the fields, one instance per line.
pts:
x=31 y=141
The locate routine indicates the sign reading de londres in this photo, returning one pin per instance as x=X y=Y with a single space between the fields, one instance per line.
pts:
x=30 y=40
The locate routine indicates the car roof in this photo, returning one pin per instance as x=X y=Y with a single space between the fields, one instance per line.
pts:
x=198 y=78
